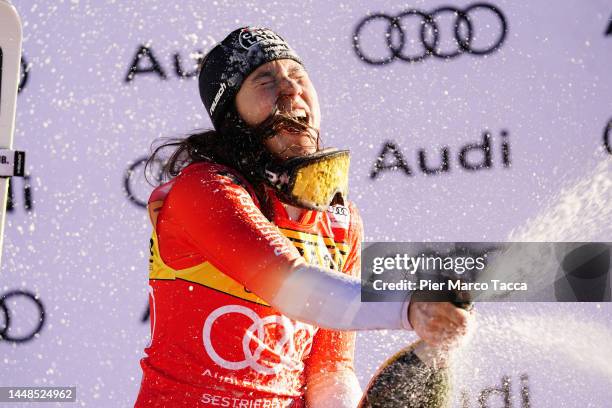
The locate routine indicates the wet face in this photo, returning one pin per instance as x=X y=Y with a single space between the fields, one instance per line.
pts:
x=286 y=85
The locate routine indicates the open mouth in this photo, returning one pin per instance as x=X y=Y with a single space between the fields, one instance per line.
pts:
x=301 y=117
x=298 y=115
x=294 y=122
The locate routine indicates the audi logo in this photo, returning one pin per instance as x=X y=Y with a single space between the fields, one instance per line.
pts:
x=5 y=331
x=135 y=186
x=413 y=43
x=285 y=348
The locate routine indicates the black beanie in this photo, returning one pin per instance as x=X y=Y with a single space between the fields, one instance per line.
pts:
x=229 y=63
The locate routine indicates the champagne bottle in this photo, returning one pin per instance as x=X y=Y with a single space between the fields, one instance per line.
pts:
x=417 y=376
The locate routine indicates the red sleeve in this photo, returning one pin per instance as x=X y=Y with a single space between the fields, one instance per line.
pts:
x=211 y=207
x=334 y=350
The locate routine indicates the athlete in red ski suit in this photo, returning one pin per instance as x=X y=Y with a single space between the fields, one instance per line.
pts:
x=253 y=310
x=213 y=342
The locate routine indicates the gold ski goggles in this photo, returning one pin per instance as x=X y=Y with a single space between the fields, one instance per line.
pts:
x=314 y=181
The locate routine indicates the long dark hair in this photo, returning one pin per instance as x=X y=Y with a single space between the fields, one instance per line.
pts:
x=235 y=145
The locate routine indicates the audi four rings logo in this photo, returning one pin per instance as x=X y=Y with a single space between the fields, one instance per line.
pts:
x=135 y=186
x=9 y=321
x=285 y=348
x=425 y=40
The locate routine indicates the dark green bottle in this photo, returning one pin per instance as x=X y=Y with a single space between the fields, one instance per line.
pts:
x=415 y=377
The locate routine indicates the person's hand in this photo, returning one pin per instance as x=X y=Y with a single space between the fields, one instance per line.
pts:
x=439 y=324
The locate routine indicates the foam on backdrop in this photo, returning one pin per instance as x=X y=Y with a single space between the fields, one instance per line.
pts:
x=81 y=245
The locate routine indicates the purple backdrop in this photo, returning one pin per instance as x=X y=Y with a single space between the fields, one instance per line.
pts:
x=79 y=240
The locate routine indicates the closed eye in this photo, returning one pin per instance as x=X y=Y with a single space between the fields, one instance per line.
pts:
x=297 y=73
x=263 y=78
x=266 y=83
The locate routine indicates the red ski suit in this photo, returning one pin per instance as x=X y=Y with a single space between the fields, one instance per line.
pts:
x=214 y=342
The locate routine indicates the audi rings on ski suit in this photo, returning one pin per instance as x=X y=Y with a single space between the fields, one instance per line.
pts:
x=430 y=41
x=4 y=330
